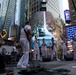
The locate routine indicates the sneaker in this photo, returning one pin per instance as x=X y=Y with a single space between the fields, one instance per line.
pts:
x=58 y=59
x=23 y=66
x=73 y=66
x=28 y=65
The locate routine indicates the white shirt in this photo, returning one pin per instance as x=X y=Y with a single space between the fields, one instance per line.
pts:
x=36 y=44
x=14 y=48
x=23 y=34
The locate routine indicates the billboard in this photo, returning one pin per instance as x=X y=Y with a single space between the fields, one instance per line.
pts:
x=70 y=32
x=67 y=16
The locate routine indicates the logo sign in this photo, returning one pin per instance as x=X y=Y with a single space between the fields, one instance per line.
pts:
x=67 y=15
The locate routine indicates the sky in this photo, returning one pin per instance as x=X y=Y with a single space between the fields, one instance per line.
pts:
x=0 y=1
x=63 y=6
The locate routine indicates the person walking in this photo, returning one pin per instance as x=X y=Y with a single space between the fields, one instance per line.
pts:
x=24 y=41
x=53 y=49
x=44 y=47
x=36 y=49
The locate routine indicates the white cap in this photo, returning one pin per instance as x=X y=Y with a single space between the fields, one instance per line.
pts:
x=27 y=27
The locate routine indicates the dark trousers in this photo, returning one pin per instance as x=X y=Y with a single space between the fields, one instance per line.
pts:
x=2 y=64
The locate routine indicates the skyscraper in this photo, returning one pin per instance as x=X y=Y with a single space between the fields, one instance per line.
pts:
x=0 y=9
x=8 y=14
x=72 y=8
x=0 y=16
x=23 y=12
x=3 y=11
x=53 y=7
x=17 y=12
x=34 y=6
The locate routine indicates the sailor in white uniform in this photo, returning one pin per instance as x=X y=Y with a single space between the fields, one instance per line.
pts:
x=44 y=48
x=53 y=49
x=63 y=48
x=36 y=49
x=24 y=41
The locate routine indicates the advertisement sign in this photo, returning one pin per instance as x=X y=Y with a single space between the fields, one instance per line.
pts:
x=67 y=16
x=70 y=32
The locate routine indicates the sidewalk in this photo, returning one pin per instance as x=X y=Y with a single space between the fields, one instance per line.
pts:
x=51 y=65
x=61 y=64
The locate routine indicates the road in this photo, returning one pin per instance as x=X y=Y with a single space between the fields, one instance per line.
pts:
x=48 y=65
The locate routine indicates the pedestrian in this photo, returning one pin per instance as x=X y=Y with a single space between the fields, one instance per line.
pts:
x=63 y=48
x=24 y=41
x=44 y=47
x=36 y=49
x=53 y=49
x=73 y=42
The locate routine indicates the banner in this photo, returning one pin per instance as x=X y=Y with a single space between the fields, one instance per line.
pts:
x=67 y=16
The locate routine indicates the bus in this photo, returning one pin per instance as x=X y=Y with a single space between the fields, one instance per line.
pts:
x=42 y=33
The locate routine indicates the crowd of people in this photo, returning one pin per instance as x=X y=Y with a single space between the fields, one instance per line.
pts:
x=25 y=39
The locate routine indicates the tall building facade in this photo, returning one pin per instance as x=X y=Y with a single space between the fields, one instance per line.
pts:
x=0 y=9
x=39 y=5
x=17 y=12
x=23 y=12
x=38 y=20
x=0 y=16
x=3 y=10
x=53 y=7
x=34 y=6
x=8 y=15
x=72 y=8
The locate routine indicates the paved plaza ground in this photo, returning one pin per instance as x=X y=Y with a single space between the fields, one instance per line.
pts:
x=49 y=65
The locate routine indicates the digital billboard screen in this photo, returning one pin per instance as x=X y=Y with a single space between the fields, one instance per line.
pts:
x=70 y=32
x=67 y=16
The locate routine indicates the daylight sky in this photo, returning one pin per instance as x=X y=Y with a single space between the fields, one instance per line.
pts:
x=0 y=1
x=63 y=4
